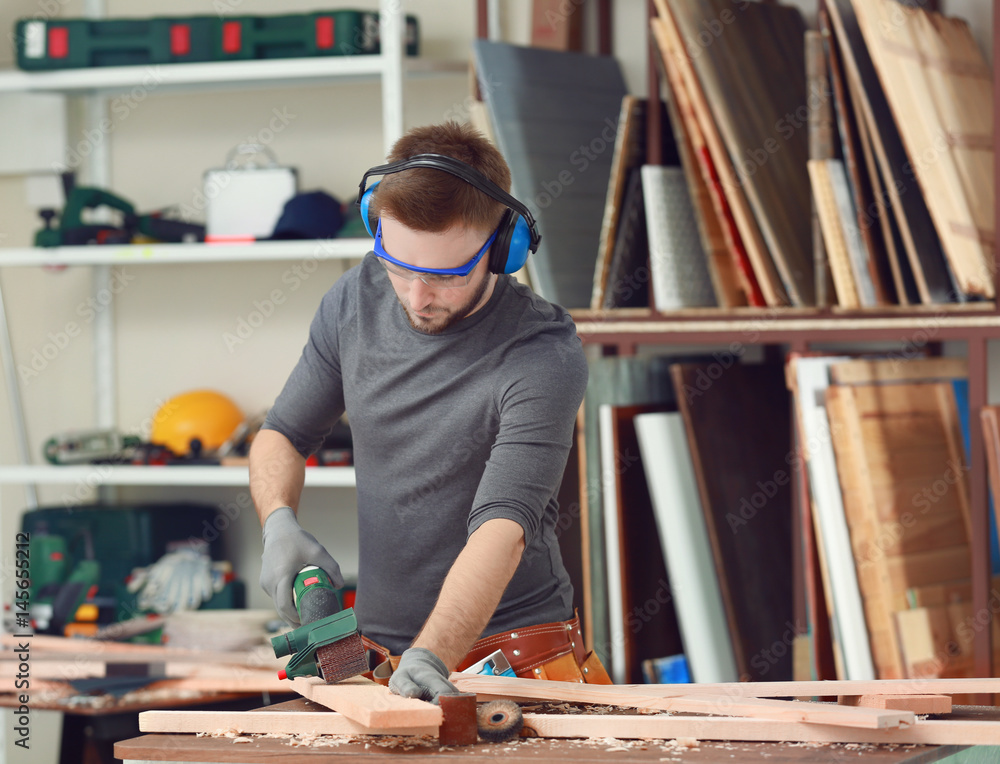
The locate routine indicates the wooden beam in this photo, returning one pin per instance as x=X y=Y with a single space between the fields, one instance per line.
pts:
x=369 y=704
x=872 y=372
x=727 y=705
x=503 y=686
x=294 y=722
x=930 y=732
x=918 y=704
x=47 y=647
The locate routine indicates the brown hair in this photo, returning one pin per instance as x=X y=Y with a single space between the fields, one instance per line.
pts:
x=433 y=200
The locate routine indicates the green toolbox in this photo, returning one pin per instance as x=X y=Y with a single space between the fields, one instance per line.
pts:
x=79 y=43
x=45 y=45
x=327 y=33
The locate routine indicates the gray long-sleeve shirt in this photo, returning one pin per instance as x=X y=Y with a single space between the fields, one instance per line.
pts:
x=450 y=430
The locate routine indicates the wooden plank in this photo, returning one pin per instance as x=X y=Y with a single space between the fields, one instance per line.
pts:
x=264 y=722
x=853 y=648
x=680 y=522
x=990 y=417
x=644 y=620
x=939 y=88
x=884 y=435
x=918 y=704
x=822 y=145
x=839 y=101
x=880 y=371
x=880 y=213
x=774 y=291
x=618 y=381
x=369 y=704
x=820 y=173
x=45 y=645
x=745 y=487
x=861 y=267
x=767 y=153
x=705 y=166
x=703 y=703
x=499 y=686
x=628 y=154
x=923 y=246
x=721 y=267
x=925 y=732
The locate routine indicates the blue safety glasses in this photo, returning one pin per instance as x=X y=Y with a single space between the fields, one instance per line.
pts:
x=439 y=278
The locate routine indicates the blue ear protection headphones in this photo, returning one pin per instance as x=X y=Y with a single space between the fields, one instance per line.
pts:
x=517 y=234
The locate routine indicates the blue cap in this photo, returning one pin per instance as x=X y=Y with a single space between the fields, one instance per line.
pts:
x=311 y=215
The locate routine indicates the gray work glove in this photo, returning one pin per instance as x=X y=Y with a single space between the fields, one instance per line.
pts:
x=421 y=674
x=288 y=549
x=180 y=580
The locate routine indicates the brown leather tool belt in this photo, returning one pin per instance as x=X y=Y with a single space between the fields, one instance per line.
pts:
x=546 y=651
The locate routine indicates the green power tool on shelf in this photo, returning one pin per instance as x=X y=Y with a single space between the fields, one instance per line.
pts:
x=327 y=644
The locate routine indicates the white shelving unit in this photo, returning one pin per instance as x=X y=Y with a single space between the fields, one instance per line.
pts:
x=127 y=475
x=96 y=86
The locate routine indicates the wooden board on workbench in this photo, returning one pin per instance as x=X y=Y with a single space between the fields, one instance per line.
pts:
x=739 y=429
x=771 y=689
x=695 y=703
x=368 y=703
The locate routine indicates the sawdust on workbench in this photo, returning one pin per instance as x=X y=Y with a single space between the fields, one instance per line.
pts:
x=673 y=749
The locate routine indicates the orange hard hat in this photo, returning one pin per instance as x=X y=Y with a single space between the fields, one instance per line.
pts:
x=204 y=415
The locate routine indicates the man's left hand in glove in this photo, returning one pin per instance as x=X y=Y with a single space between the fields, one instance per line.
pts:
x=421 y=674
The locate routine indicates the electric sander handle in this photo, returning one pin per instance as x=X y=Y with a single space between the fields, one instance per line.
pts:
x=315 y=596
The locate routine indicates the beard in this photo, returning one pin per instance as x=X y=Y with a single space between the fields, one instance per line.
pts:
x=442 y=318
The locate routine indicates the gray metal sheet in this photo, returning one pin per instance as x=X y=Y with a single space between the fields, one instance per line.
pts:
x=544 y=105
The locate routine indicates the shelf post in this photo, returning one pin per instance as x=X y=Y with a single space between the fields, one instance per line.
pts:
x=392 y=26
x=978 y=509
x=654 y=138
x=14 y=396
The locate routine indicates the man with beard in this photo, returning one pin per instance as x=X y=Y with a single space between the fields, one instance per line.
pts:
x=461 y=386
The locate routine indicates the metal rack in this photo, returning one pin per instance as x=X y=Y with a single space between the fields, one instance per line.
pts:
x=621 y=331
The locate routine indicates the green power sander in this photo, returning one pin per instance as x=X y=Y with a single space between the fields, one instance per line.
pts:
x=327 y=644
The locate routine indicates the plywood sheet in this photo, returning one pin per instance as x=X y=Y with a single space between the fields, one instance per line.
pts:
x=741 y=228
x=837 y=97
x=751 y=85
x=885 y=435
x=643 y=619
x=738 y=422
x=921 y=240
x=545 y=105
x=616 y=381
x=628 y=154
x=853 y=650
x=939 y=87
x=835 y=237
x=867 y=371
x=683 y=533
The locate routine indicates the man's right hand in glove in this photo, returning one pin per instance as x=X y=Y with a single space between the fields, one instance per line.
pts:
x=287 y=549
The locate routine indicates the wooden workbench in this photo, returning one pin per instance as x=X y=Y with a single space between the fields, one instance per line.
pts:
x=340 y=750
x=189 y=748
